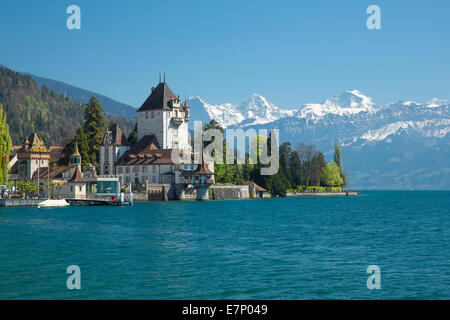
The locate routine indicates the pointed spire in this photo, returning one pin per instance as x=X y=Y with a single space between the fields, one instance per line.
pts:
x=76 y=152
x=203 y=166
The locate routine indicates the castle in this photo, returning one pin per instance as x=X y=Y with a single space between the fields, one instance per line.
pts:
x=162 y=128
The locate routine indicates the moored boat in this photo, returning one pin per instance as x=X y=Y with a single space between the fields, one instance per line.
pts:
x=53 y=203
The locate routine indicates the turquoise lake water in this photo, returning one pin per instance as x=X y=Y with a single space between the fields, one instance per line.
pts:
x=293 y=248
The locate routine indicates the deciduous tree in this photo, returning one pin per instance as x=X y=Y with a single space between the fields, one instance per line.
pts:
x=5 y=147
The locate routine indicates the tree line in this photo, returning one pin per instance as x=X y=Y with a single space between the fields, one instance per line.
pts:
x=300 y=167
x=89 y=137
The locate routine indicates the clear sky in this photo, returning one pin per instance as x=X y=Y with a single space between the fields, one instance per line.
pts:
x=292 y=52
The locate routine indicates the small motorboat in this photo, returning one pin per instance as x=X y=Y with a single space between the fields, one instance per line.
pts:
x=53 y=203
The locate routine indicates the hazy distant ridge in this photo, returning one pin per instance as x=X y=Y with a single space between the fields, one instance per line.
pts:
x=111 y=106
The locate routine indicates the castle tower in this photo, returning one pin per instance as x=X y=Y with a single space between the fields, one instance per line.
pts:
x=163 y=116
x=75 y=158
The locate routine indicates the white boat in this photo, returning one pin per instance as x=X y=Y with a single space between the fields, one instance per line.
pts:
x=53 y=203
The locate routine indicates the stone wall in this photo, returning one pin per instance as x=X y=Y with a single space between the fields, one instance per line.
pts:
x=160 y=192
x=230 y=192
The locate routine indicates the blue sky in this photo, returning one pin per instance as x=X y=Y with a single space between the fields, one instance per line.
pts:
x=292 y=52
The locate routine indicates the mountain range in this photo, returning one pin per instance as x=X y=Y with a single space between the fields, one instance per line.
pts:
x=402 y=145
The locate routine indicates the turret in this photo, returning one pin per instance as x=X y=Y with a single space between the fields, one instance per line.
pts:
x=75 y=158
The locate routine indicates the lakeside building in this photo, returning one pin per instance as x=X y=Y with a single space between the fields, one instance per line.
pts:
x=33 y=161
x=162 y=128
x=27 y=159
x=115 y=144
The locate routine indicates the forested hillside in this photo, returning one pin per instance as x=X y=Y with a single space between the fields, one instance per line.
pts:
x=55 y=117
x=109 y=105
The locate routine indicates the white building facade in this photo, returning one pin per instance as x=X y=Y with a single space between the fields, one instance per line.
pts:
x=115 y=144
x=162 y=128
x=163 y=116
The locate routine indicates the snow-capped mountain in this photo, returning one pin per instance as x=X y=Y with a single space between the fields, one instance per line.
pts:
x=345 y=104
x=400 y=145
x=255 y=110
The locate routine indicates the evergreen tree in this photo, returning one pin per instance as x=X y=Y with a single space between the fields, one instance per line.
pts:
x=94 y=128
x=83 y=147
x=213 y=124
x=132 y=137
x=295 y=167
x=285 y=154
x=5 y=147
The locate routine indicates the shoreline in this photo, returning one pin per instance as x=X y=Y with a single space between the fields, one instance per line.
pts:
x=350 y=193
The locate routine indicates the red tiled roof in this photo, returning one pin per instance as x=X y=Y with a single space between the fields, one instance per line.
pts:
x=257 y=188
x=77 y=177
x=203 y=166
x=56 y=153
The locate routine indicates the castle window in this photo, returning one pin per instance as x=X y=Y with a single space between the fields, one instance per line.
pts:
x=120 y=170
x=146 y=114
x=153 y=169
x=153 y=115
x=127 y=169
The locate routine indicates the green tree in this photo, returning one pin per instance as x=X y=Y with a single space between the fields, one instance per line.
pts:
x=285 y=152
x=27 y=187
x=94 y=128
x=5 y=147
x=338 y=161
x=258 y=142
x=295 y=167
x=83 y=147
x=331 y=176
x=213 y=124
x=132 y=137
x=316 y=164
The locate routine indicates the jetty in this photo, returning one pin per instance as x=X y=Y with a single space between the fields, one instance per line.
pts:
x=19 y=202
x=97 y=202
x=349 y=193
x=78 y=201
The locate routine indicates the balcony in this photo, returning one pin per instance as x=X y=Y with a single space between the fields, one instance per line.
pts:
x=176 y=121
